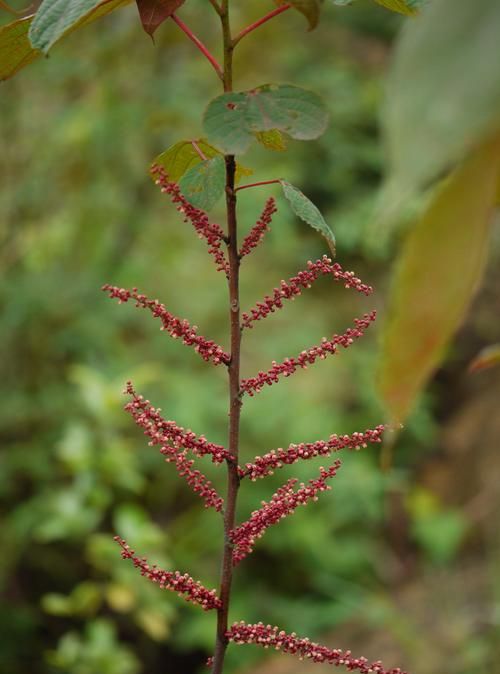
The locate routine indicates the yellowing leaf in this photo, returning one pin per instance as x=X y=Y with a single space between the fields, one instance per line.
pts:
x=16 y=51
x=401 y=6
x=440 y=266
x=272 y=140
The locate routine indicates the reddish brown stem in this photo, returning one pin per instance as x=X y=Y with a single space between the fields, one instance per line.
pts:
x=221 y=641
x=206 y=53
x=259 y=184
x=260 y=22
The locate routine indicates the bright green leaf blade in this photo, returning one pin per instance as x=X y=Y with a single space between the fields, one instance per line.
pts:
x=407 y=7
x=486 y=358
x=441 y=264
x=204 y=183
x=232 y=120
x=56 y=18
x=16 y=51
x=443 y=93
x=272 y=140
x=311 y=9
x=308 y=212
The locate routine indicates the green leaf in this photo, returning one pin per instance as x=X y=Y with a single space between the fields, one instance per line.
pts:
x=232 y=120
x=486 y=358
x=308 y=212
x=443 y=93
x=311 y=9
x=56 y=18
x=408 y=7
x=204 y=183
x=154 y=12
x=182 y=156
x=440 y=266
x=272 y=140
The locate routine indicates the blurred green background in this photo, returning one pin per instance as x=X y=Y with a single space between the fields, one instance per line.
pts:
x=399 y=565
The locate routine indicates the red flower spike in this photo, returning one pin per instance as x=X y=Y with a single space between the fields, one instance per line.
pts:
x=198 y=482
x=283 y=503
x=211 y=232
x=176 y=327
x=258 y=231
x=304 y=279
x=191 y=590
x=305 y=358
x=164 y=432
x=272 y=637
x=277 y=458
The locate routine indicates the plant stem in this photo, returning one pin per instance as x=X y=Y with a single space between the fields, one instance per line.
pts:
x=210 y=57
x=233 y=480
x=262 y=182
x=260 y=22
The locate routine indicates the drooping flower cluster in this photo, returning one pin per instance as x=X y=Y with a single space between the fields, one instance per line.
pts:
x=176 y=327
x=175 y=443
x=283 y=503
x=290 y=365
x=304 y=279
x=276 y=458
x=272 y=637
x=211 y=232
x=258 y=231
x=164 y=432
x=185 y=586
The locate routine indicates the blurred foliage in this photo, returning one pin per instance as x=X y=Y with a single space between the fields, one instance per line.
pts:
x=77 y=135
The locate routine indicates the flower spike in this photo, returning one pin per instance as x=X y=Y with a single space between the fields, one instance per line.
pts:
x=292 y=288
x=283 y=503
x=277 y=458
x=211 y=232
x=198 y=482
x=258 y=231
x=164 y=432
x=176 y=327
x=272 y=637
x=290 y=365
x=191 y=590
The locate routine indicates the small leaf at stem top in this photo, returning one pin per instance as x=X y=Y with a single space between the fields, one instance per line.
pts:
x=204 y=183
x=311 y=9
x=154 y=12
x=308 y=212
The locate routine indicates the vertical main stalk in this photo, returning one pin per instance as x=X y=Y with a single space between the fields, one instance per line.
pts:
x=234 y=370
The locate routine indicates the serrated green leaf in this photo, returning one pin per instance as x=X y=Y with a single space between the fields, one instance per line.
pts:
x=440 y=266
x=272 y=140
x=443 y=93
x=311 y=9
x=56 y=18
x=232 y=120
x=204 y=183
x=308 y=212
x=407 y=7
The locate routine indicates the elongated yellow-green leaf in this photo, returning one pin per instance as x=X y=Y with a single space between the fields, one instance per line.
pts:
x=441 y=264
x=16 y=51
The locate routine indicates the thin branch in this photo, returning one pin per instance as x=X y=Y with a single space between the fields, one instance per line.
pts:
x=260 y=22
x=208 y=55
x=216 y=6
x=259 y=184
